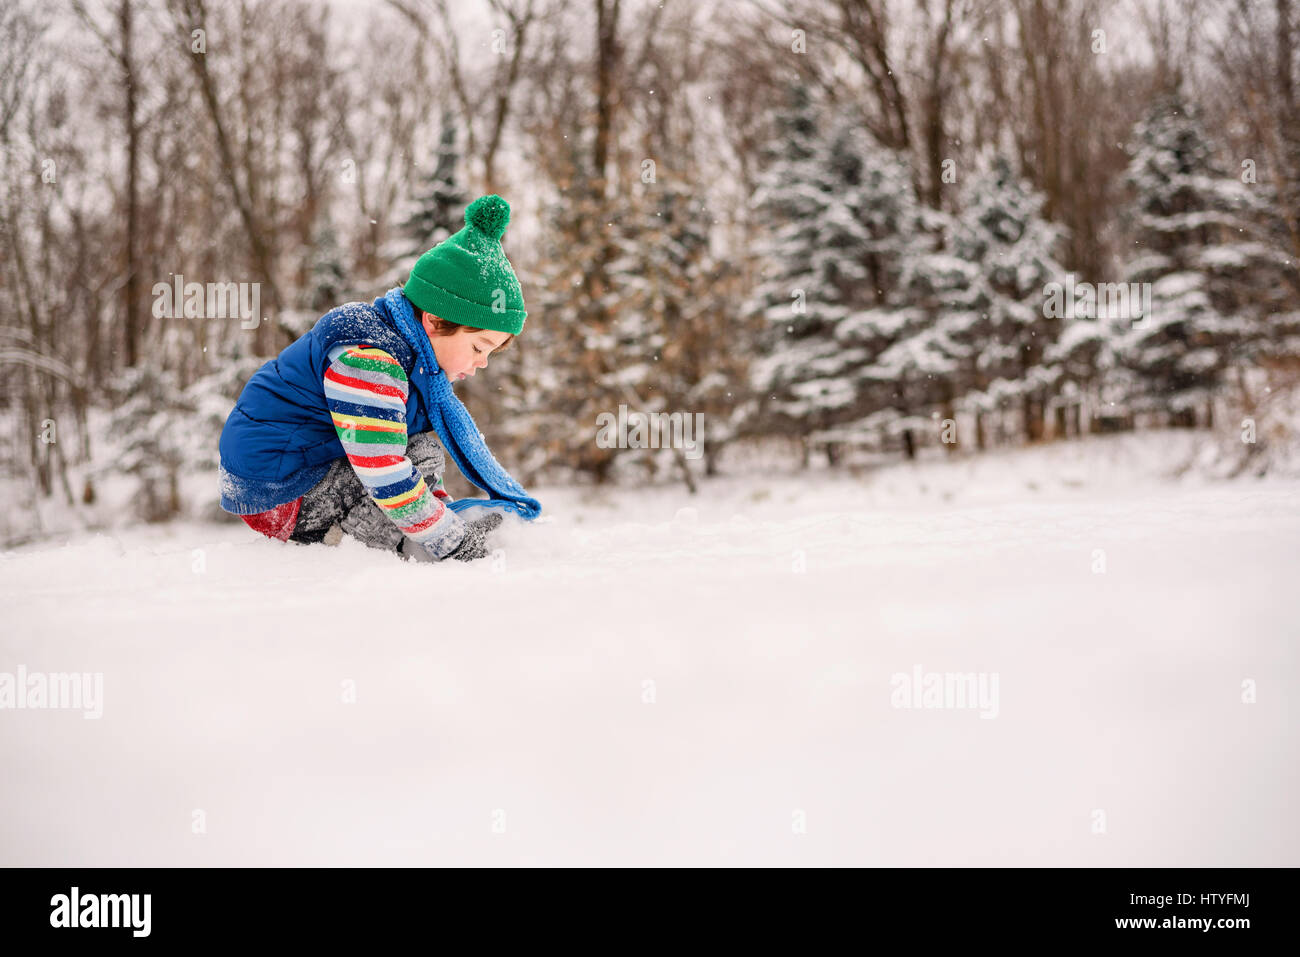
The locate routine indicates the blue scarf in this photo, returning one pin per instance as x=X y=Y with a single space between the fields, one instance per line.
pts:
x=451 y=420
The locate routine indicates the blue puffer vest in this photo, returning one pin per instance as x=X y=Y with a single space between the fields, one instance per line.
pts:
x=279 y=440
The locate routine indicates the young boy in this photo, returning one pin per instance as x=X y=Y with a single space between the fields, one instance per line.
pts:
x=341 y=432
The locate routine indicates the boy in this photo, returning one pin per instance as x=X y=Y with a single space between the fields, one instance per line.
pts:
x=340 y=433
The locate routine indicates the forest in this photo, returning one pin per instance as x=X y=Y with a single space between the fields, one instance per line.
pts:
x=858 y=230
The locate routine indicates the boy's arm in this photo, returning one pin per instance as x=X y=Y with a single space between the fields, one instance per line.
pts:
x=366 y=390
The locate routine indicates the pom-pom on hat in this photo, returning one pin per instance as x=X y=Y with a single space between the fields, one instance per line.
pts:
x=466 y=278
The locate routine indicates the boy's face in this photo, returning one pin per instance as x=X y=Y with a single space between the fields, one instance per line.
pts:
x=462 y=354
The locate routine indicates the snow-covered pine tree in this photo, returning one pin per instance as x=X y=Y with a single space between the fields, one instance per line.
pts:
x=1197 y=232
x=985 y=336
x=1078 y=353
x=883 y=199
x=933 y=358
x=327 y=277
x=831 y=249
x=578 y=358
x=642 y=331
x=1001 y=229
x=679 y=322
x=437 y=208
x=150 y=428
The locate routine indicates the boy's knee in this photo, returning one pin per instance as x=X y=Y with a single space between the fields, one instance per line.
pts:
x=336 y=494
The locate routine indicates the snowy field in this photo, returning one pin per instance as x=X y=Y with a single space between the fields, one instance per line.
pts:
x=653 y=678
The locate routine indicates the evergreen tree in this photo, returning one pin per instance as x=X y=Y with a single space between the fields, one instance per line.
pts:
x=934 y=355
x=327 y=280
x=1213 y=282
x=680 y=329
x=578 y=363
x=1002 y=232
x=437 y=208
x=983 y=335
x=151 y=427
x=839 y=224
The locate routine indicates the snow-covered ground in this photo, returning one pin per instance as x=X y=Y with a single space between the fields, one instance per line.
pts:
x=647 y=677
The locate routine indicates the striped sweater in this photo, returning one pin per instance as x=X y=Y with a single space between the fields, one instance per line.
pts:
x=366 y=390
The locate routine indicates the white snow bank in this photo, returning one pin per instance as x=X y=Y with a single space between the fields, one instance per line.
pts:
x=654 y=678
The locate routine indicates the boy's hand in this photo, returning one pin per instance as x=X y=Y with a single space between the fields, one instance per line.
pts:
x=474 y=544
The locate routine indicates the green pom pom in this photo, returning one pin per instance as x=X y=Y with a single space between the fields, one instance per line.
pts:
x=489 y=214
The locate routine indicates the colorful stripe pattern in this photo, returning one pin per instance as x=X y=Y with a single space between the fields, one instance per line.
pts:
x=366 y=390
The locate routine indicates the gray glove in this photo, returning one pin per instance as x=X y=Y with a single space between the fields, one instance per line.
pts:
x=474 y=544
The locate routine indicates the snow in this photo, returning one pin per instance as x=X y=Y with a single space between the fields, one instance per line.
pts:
x=1074 y=335
x=1180 y=285
x=1240 y=256
x=647 y=677
x=872 y=323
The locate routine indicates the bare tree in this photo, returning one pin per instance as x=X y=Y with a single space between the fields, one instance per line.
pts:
x=119 y=47
x=491 y=97
x=187 y=16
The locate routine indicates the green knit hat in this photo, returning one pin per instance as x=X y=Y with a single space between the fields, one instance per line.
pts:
x=466 y=278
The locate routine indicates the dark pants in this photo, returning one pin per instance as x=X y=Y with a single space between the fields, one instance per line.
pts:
x=340 y=499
